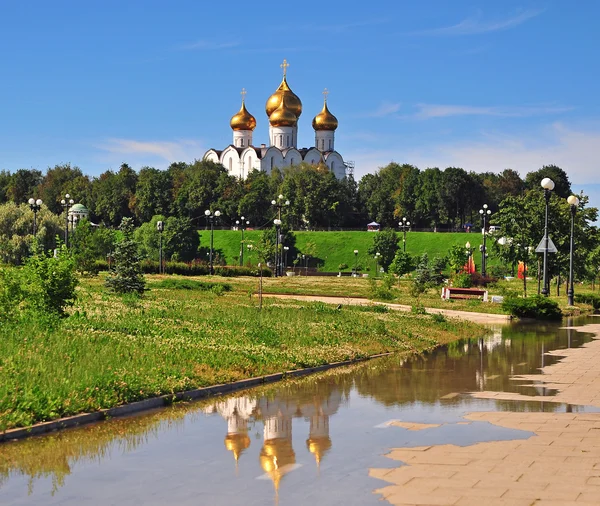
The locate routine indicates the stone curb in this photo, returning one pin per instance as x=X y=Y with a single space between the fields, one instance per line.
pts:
x=166 y=400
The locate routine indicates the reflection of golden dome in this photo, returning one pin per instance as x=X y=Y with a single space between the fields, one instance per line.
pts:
x=292 y=100
x=283 y=116
x=275 y=455
x=243 y=120
x=325 y=120
x=237 y=443
x=318 y=446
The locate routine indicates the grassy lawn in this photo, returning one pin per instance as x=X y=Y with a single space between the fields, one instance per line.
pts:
x=335 y=248
x=117 y=349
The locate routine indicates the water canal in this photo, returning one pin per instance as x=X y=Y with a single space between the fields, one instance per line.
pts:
x=308 y=441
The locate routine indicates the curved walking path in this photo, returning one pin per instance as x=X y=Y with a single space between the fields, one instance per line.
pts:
x=359 y=301
x=558 y=465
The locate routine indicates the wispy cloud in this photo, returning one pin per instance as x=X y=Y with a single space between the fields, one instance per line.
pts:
x=476 y=25
x=147 y=152
x=207 y=45
x=384 y=109
x=342 y=27
x=427 y=111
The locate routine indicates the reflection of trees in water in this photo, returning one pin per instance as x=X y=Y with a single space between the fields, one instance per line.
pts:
x=465 y=366
x=52 y=456
x=461 y=366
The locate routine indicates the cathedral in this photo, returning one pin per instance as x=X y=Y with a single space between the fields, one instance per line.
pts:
x=283 y=109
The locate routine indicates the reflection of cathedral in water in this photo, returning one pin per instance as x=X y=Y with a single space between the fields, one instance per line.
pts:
x=277 y=455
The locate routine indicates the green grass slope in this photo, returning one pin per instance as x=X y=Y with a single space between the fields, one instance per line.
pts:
x=335 y=248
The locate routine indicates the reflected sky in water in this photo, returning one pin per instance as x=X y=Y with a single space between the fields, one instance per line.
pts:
x=289 y=443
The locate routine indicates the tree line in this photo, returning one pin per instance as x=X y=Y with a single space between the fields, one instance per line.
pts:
x=430 y=198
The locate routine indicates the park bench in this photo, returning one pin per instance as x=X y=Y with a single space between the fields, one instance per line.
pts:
x=450 y=292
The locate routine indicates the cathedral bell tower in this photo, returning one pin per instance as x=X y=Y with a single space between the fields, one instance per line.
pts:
x=243 y=124
x=325 y=125
x=283 y=109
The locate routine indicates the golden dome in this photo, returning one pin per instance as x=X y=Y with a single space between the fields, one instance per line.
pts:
x=325 y=120
x=318 y=446
x=237 y=443
x=283 y=116
x=243 y=120
x=292 y=100
x=275 y=457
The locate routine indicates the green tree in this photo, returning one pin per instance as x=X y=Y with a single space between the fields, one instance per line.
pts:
x=181 y=240
x=562 y=184
x=23 y=185
x=153 y=194
x=89 y=244
x=403 y=263
x=60 y=180
x=385 y=243
x=126 y=277
x=457 y=258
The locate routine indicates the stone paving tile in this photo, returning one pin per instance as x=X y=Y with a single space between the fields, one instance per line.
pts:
x=558 y=465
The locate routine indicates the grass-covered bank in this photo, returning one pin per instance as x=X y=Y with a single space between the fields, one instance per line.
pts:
x=115 y=349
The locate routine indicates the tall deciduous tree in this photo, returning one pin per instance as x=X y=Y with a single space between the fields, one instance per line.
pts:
x=562 y=184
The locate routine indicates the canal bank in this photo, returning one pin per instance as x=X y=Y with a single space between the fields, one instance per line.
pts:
x=558 y=464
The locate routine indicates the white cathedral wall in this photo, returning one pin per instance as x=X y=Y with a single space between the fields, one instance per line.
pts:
x=211 y=156
x=292 y=157
x=335 y=162
x=242 y=138
x=272 y=158
x=231 y=161
x=324 y=140
x=313 y=156
x=283 y=137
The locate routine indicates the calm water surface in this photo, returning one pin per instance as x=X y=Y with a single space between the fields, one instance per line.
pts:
x=294 y=443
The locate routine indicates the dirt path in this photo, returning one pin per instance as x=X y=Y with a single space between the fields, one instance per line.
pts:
x=558 y=465
x=358 y=301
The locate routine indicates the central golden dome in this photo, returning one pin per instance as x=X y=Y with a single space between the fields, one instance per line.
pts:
x=325 y=120
x=292 y=100
x=283 y=116
x=243 y=120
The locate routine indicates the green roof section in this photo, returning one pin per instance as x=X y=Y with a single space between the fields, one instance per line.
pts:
x=78 y=208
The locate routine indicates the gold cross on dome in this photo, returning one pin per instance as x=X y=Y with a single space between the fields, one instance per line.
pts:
x=325 y=93
x=284 y=66
x=243 y=93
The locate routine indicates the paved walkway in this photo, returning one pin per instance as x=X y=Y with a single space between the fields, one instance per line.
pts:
x=358 y=301
x=559 y=465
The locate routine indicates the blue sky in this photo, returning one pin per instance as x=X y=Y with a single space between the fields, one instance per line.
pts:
x=477 y=84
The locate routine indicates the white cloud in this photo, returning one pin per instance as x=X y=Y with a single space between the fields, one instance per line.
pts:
x=573 y=149
x=426 y=111
x=385 y=109
x=475 y=25
x=152 y=152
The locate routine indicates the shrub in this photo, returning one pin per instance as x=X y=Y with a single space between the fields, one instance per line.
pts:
x=49 y=282
x=588 y=298
x=478 y=280
x=537 y=306
x=190 y=284
x=127 y=276
x=462 y=280
x=11 y=293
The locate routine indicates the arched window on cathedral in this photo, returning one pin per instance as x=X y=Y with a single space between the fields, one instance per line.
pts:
x=322 y=144
x=242 y=142
x=281 y=140
x=230 y=164
x=288 y=141
x=271 y=163
x=292 y=161
x=332 y=166
x=329 y=144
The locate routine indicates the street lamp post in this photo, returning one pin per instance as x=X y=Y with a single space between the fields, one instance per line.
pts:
x=485 y=212
x=355 y=262
x=66 y=202
x=160 y=226
x=242 y=223
x=377 y=256
x=211 y=217
x=249 y=246
x=469 y=253
x=404 y=226
x=548 y=186
x=35 y=206
x=277 y=223
x=285 y=250
x=574 y=202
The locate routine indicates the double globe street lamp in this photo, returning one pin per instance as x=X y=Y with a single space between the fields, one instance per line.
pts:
x=242 y=223
x=573 y=202
x=66 y=203
x=548 y=186
x=279 y=204
x=211 y=217
x=404 y=226
x=35 y=206
x=485 y=212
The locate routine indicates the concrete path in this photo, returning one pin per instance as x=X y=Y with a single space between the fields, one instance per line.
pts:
x=558 y=465
x=358 y=301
